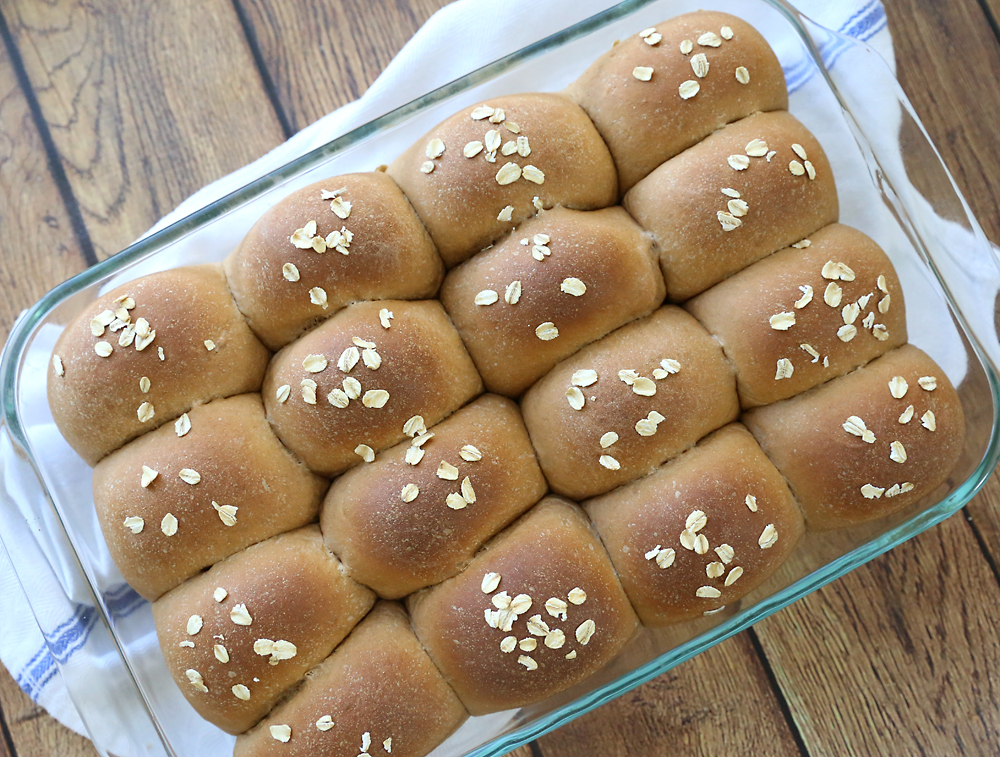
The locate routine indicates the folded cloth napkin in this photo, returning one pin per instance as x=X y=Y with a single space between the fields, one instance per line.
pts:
x=70 y=650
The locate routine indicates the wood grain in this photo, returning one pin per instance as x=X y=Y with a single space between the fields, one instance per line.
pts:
x=321 y=55
x=948 y=58
x=35 y=734
x=146 y=102
x=897 y=657
x=703 y=707
x=37 y=242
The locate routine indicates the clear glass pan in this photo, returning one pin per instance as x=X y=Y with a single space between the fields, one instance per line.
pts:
x=892 y=185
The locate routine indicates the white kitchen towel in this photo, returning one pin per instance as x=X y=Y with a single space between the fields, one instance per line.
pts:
x=421 y=66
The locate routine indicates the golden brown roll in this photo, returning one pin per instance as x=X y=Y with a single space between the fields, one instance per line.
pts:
x=343 y=392
x=549 y=289
x=621 y=407
x=417 y=515
x=367 y=244
x=539 y=609
x=183 y=497
x=805 y=314
x=481 y=172
x=749 y=189
x=868 y=444
x=377 y=694
x=660 y=91
x=146 y=352
x=701 y=532
x=238 y=636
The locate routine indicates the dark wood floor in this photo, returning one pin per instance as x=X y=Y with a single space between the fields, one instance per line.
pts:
x=111 y=113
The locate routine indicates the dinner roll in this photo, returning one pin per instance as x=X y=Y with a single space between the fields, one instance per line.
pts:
x=702 y=531
x=338 y=241
x=748 y=190
x=343 y=392
x=238 y=636
x=868 y=444
x=660 y=91
x=805 y=314
x=377 y=694
x=481 y=172
x=183 y=497
x=146 y=352
x=539 y=609
x=549 y=289
x=417 y=515
x=621 y=407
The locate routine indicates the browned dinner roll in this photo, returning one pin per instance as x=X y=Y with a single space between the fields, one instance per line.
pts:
x=238 y=636
x=660 y=91
x=481 y=172
x=367 y=244
x=749 y=189
x=417 y=515
x=547 y=290
x=377 y=694
x=183 y=497
x=621 y=407
x=867 y=444
x=146 y=352
x=539 y=609
x=701 y=532
x=344 y=391
x=805 y=314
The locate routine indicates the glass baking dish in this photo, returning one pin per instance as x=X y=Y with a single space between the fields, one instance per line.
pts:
x=892 y=185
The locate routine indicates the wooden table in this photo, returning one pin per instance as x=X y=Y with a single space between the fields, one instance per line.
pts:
x=112 y=112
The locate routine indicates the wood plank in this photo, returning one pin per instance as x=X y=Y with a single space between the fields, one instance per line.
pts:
x=958 y=103
x=897 y=657
x=323 y=55
x=947 y=57
x=717 y=703
x=146 y=102
x=38 y=245
x=33 y=732
x=39 y=250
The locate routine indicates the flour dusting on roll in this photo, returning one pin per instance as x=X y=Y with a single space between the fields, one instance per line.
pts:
x=341 y=240
x=343 y=392
x=748 y=190
x=549 y=289
x=868 y=444
x=662 y=89
x=145 y=353
x=481 y=172
x=181 y=498
x=702 y=531
x=806 y=314
x=377 y=694
x=238 y=636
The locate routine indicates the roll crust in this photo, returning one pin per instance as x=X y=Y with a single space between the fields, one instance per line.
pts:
x=462 y=200
x=587 y=261
x=675 y=357
x=566 y=601
x=234 y=460
x=846 y=476
x=379 y=683
x=99 y=403
x=419 y=361
x=724 y=489
x=386 y=255
x=802 y=307
x=647 y=122
x=697 y=226
x=397 y=540
x=286 y=589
